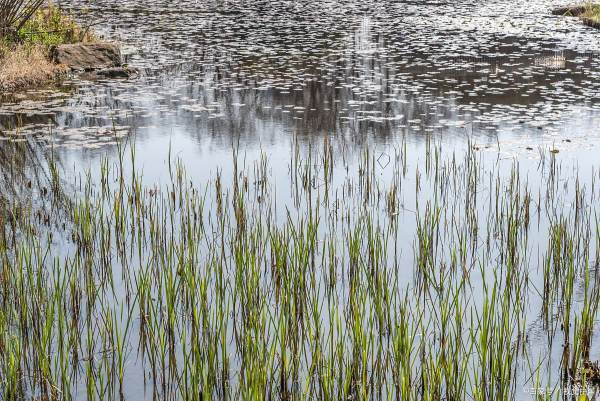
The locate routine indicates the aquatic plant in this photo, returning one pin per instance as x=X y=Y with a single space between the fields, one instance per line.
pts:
x=218 y=290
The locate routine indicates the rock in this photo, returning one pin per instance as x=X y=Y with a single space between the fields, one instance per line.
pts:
x=572 y=11
x=117 y=72
x=86 y=57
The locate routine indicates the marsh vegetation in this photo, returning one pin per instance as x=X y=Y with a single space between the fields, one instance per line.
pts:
x=307 y=200
x=425 y=284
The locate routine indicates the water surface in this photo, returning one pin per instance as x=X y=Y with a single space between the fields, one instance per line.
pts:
x=225 y=80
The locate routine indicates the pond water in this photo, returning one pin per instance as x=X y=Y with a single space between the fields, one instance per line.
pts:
x=259 y=73
x=502 y=82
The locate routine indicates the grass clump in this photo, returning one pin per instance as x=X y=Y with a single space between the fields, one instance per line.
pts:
x=592 y=13
x=24 y=56
x=26 y=65
x=589 y=13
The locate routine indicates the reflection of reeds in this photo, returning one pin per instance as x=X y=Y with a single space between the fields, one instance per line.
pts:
x=23 y=169
x=219 y=291
x=29 y=186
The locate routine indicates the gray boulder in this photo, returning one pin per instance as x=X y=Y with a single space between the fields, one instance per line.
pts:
x=87 y=57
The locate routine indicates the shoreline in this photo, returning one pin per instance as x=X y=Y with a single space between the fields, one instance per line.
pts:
x=25 y=54
x=589 y=14
x=25 y=68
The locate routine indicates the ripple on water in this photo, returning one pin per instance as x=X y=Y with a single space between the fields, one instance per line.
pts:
x=320 y=66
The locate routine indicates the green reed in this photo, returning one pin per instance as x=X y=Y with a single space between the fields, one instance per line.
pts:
x=376 y=279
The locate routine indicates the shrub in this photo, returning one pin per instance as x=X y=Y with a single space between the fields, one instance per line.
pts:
x=14 y=14
x=50 y=26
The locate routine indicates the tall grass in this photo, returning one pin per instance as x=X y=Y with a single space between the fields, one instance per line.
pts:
x=416 y=286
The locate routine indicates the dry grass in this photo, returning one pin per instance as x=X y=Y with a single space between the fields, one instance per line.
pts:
x=592 y=13
x=24 y=66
